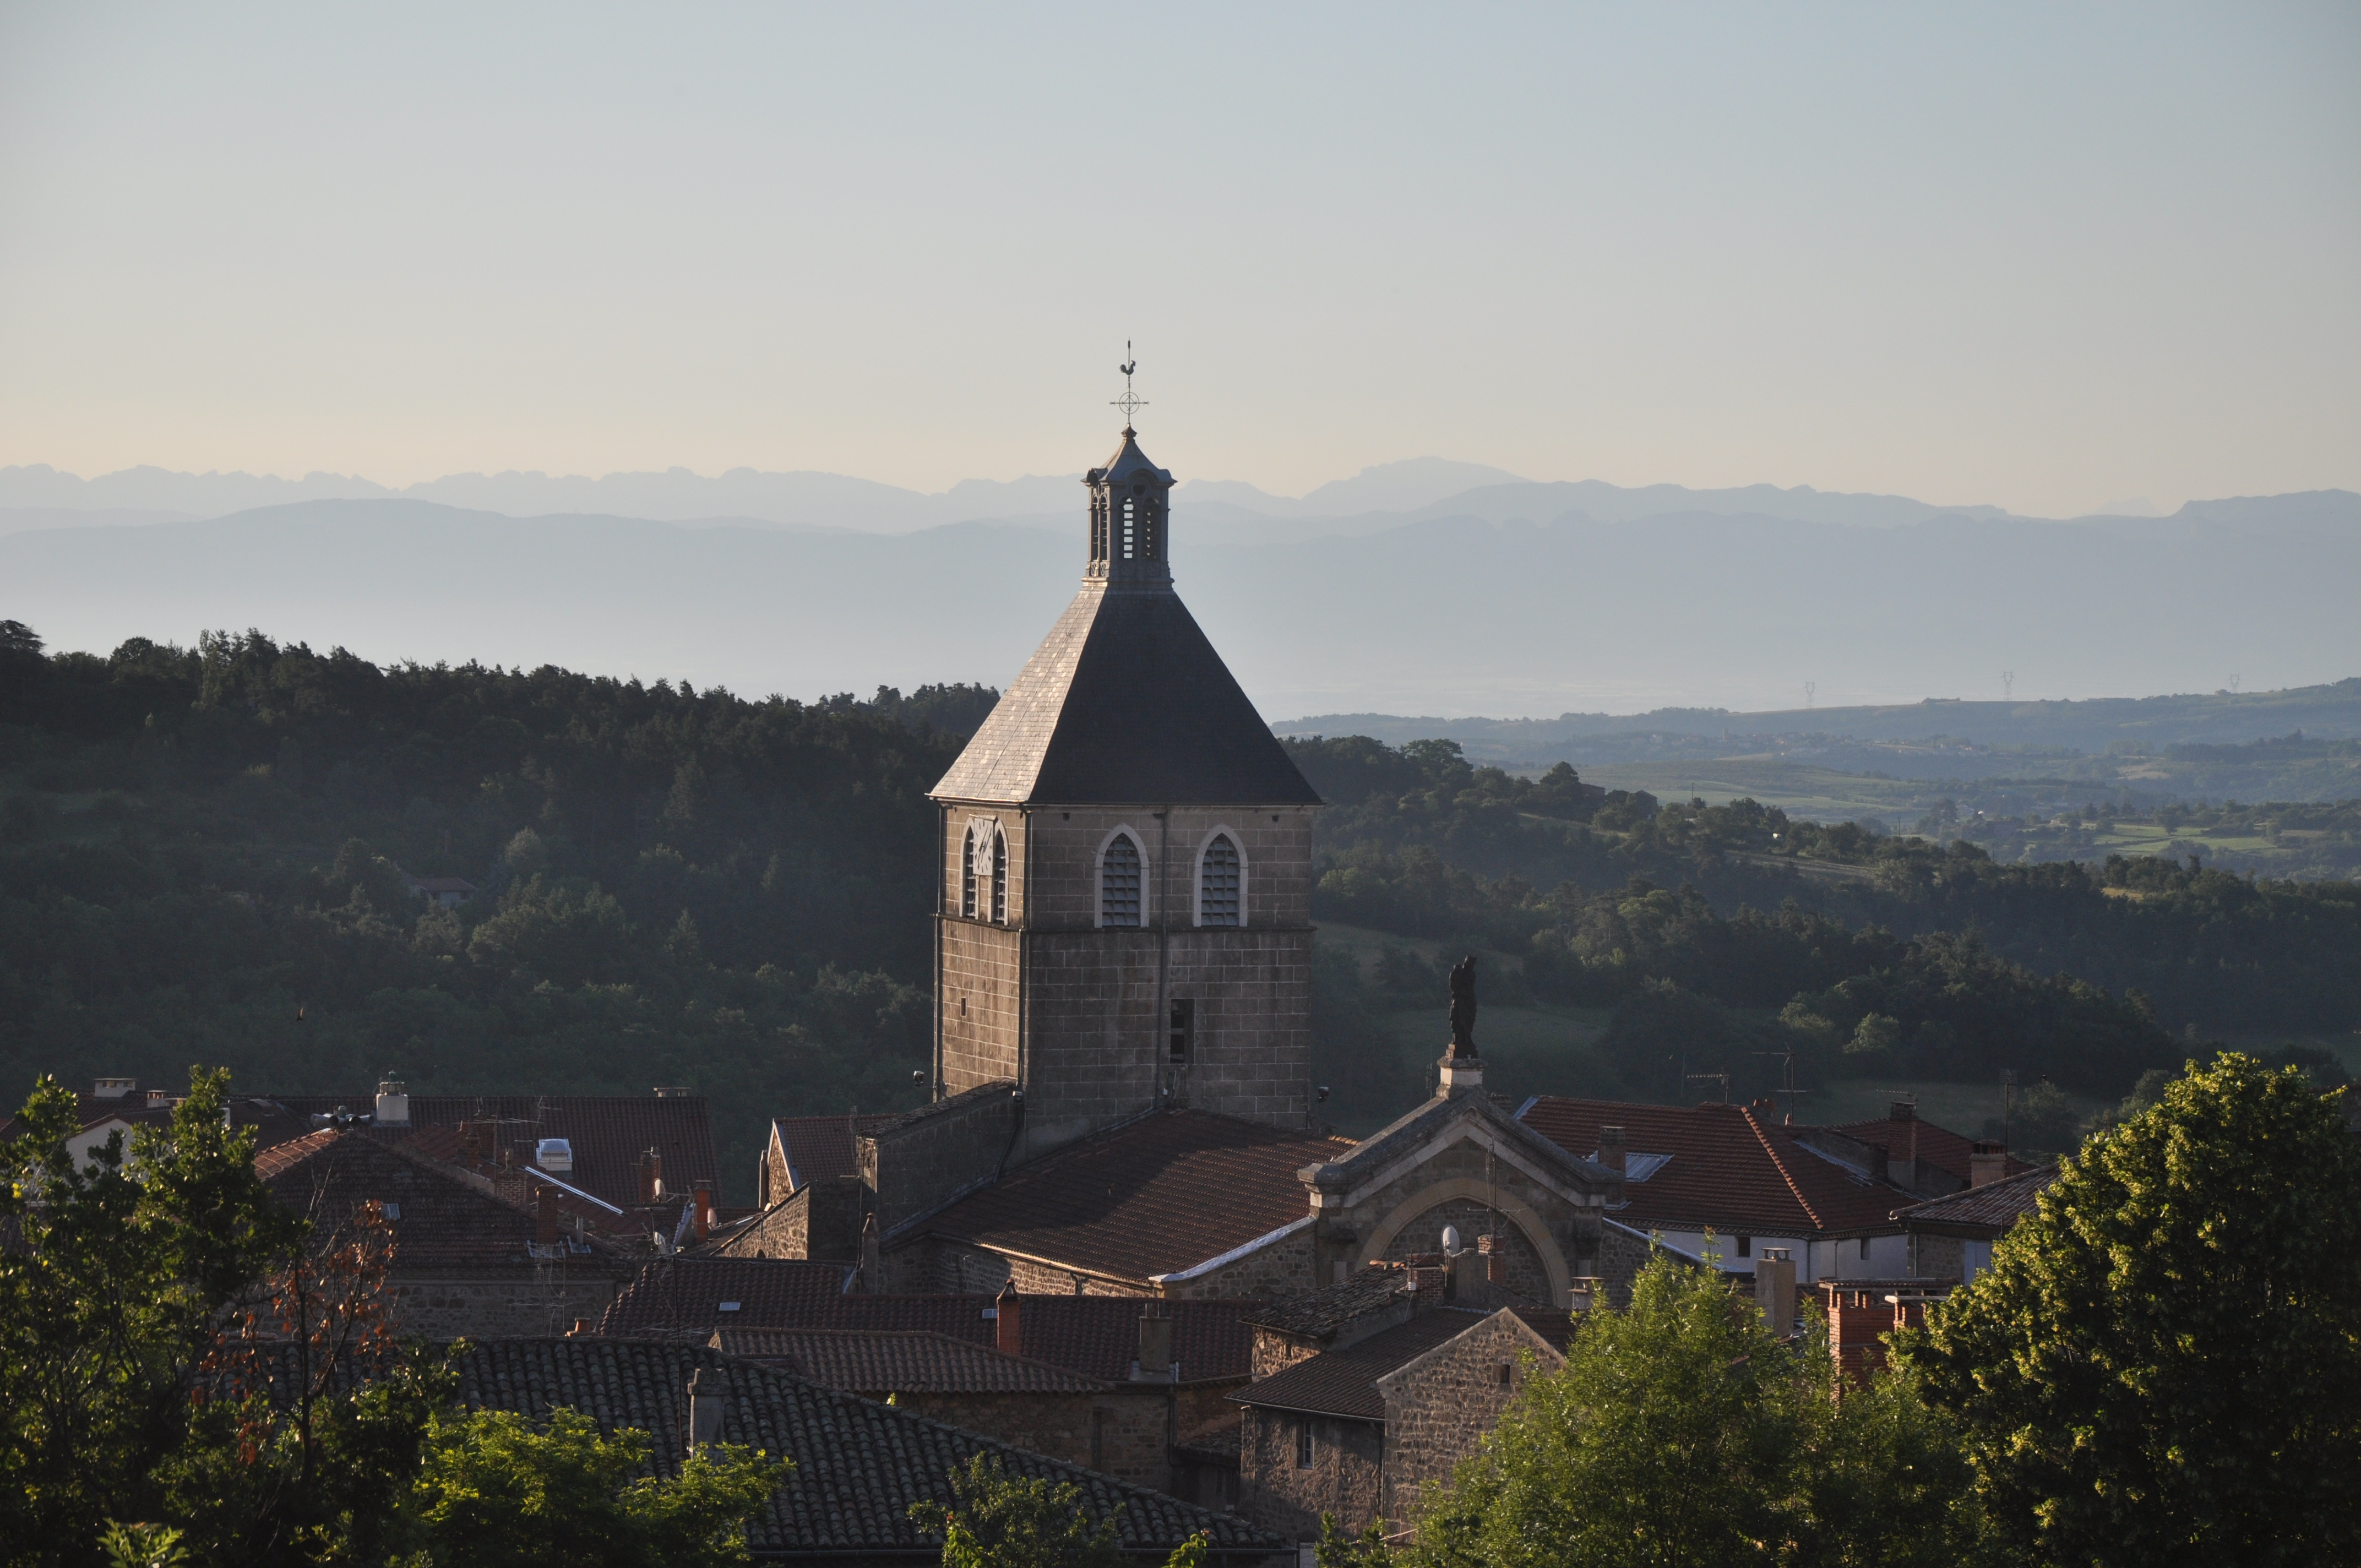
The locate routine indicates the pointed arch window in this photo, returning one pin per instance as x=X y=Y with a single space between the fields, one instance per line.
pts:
x=1119 y=882
x=1218 y=884
x=999 y=878
x=967 y=876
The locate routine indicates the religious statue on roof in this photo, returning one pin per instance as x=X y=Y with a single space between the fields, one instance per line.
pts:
x=1462 y=1007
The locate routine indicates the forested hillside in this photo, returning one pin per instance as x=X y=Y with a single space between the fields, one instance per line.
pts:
x=203 y=856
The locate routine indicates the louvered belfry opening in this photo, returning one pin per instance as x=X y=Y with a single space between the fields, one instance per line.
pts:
x=1130 y=503
x=1119 y=882
x=1217 y=892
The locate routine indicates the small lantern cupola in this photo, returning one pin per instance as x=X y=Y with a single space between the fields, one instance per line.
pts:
x=1130 y=508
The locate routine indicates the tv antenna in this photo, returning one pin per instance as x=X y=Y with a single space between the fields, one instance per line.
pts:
x=2008 y=1101
x=1127 y=403
x=1787 y=1073
x=1721 y=1078
x=2008 y=686
x=1810 y=688
x=2233 y=685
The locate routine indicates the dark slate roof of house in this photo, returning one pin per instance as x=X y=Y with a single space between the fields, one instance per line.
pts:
x=1555 y=1324
x=683 y=1295
x=821 y=1147
x=607 y=1132
x=874 y=1363
x=1345 y=1382
x=439 y=1220
x=1939 y=1146
x=1158 y=1196
x=1126 y=701
x=1992 y=1208
x=1324 y=1312
x=1095 y=1336
x=859 y=1466
x=1420 y=1125
x=1729 y=1170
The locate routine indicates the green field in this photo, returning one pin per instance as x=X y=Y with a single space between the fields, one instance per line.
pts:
x=1963 y=1108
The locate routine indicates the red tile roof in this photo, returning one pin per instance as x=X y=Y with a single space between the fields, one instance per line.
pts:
x=820 y=1147
x=1939 y=1146
x=1991 y=1208
x=1729 y=1170
x=607 y=1132
x=439 y=1220
x=1097 y=1336
x=875 y=1363
x=1345 y=1382
x=683 y=1296
x=1156 y=1196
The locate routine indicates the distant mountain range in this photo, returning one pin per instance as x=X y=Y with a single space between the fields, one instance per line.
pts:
x=1404 y=591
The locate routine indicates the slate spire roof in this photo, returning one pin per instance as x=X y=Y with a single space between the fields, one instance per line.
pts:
x=1126 y=702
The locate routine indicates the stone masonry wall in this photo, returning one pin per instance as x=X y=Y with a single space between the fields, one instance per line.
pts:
x=1573 y=1229
x=489 y=1305
x=921 y=1160
x=1528 y=1281
x=1345 y=1478
x=1441 y=1407
x=781 y=1231
x=1282 y=1268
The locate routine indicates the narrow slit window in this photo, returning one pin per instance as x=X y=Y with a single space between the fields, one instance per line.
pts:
x=967 y=876
x=1000 y=879
x=1119 y=882
x=1130 y=510
x=1304 y=1446
x=1185 y=1030
x=1217 y=886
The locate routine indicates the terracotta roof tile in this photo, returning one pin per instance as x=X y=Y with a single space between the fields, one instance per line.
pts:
x=875 y=1363
x=821 y=1147
x=1345 y=1382
x=1096 y=1336
x=1727 y=1171
x=1156 y=1196
x=1995 y=1206
x=859 y=1465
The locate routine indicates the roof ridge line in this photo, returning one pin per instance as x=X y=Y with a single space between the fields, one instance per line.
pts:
x=1781 y=1167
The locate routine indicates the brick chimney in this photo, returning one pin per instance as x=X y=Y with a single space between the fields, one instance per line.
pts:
x=1987 y=1162
x=545 y=1213
x=704 y=1209
x=1154 y=1342
x=1009 y=1332
x=651 y=1177
x=1904 y=1112
x=1610 y=1148
x=1496 y=1260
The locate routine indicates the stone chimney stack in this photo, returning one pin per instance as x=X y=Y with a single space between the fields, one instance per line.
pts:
x=1987 y=1162
x=706 y=1405
x=1904 y=1115
x=545 y=1213
x=651 y=1177
x=1010 y=1328
x=1154 y=1342
x=1610 y=1148
x=1774 y=1289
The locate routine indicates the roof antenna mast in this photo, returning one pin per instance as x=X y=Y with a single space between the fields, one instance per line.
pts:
x=1127 y=403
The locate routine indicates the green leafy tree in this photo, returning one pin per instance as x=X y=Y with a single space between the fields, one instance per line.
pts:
x=129 y=1259
x=999 y=1520
x=1684 y=1432
x=2163 y=1363
x=498 y=1491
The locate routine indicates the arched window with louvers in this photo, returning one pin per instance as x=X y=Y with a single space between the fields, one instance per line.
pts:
x=999 y=877
x=967 y=875
x=1119 y=880
x=1220 y=881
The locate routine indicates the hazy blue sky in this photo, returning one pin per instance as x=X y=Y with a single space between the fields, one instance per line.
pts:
x=2047 y=257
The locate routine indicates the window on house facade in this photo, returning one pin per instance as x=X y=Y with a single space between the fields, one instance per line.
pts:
x=1746 y=1246
x=1217 y=884
x=1303 y=1445
x=1185 y=1030
x=967 y=876
x=1864 y=1248
x=999 y=878
x=1119 y=882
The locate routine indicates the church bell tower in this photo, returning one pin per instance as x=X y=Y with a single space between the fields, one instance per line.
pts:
x=1124 y=917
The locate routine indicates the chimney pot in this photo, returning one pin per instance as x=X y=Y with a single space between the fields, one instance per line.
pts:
x=1987 y=1162
x=1901 y=1110
x=1009 y=1328
x=1154 y=1342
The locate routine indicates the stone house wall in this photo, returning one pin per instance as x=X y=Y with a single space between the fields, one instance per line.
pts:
x=784 y=1229
x=1345 y=1478
x=1439 y=1407
x=1348 y=1236
x=1528 y=1278
x=1936 y=1257
x=519 y=1303
x=921 y=1160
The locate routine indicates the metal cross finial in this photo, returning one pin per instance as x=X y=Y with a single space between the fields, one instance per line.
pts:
x=1127 y=403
